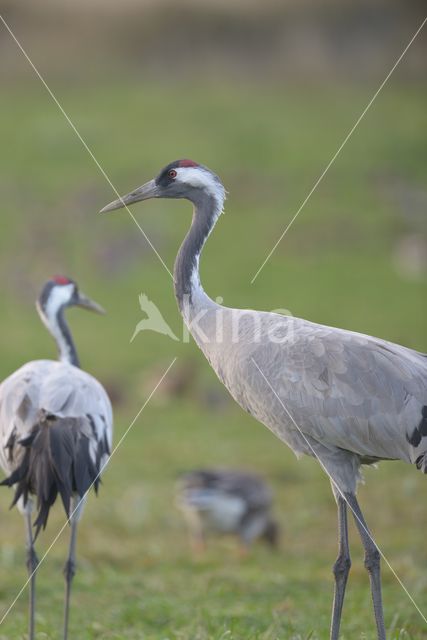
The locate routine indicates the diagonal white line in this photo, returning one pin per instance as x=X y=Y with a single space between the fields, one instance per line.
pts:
x=82 y=499
x=342 y=494
x=338 y=151
x=85 y=145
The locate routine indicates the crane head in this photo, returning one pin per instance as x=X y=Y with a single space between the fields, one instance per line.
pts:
x=60 y=292
x=179 y=179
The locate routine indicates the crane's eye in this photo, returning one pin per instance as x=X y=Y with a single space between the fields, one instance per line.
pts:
x=172 y=173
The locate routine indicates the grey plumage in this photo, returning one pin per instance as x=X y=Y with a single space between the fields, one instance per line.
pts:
x=351 y=399
x=75 y=400
x=56 y=426
x=346 y=398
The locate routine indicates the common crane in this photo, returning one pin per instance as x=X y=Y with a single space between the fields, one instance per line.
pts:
x=55 y=431
x=345 y=398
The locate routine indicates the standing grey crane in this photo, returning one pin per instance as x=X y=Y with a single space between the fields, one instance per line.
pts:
x=55 y=431
x=227 y=501
x=346 y=398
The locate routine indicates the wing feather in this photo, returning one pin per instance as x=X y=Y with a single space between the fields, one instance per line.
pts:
x=343 y=389
x=361 y=393
x=58 y=388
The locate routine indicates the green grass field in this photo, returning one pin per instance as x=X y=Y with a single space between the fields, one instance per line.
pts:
x=135 y=577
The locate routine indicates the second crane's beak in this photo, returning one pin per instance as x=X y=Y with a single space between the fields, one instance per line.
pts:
x=86 y=303
x=148 y=190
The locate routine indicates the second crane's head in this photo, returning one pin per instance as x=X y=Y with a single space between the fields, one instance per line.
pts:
x=57 y=294
x=179 y=179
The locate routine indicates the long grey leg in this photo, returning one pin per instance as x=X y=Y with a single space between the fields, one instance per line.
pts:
x=372 y=563
x=341 y=567
x=32 y=563
x=70 y=568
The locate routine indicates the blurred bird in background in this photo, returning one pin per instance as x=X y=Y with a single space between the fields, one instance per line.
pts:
x=226 y=501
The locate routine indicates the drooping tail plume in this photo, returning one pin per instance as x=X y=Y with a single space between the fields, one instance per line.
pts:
x=57 y=459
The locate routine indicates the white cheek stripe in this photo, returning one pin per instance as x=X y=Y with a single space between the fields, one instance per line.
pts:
x=197 y=177
x=58 y=296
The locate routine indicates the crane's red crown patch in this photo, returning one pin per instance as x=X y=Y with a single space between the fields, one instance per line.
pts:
x=187 y=163
x=61 y=280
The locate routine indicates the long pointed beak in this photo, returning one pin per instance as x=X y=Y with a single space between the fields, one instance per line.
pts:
x=86 y=303
x=148 y=190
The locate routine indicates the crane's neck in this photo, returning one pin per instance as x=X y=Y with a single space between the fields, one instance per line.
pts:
x=188 y=289
x=58 y=327
x=64 y=341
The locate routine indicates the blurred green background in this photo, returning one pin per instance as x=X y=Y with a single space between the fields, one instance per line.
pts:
x=262 y=93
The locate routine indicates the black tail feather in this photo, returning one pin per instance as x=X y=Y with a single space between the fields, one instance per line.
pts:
x=56 y=460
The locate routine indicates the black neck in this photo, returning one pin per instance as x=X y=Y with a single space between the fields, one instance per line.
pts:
x=64 y=341
x=186 y=269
